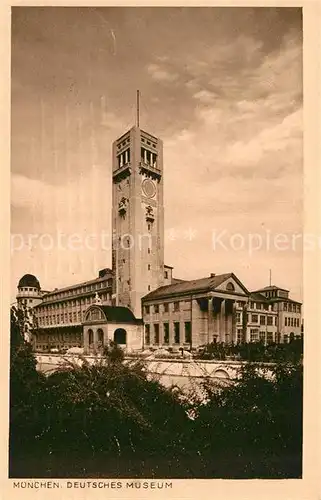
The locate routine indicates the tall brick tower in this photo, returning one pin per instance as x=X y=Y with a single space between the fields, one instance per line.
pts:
x=137 y=217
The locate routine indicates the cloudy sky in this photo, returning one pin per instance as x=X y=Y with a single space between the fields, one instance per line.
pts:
x=221 y=86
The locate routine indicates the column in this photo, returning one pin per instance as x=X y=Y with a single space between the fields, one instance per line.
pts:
x=86 y=343
x=234 y=329
x=244 y=322
x=161 y=334
x=95 y=340
x=210 y=322
x=171 y=333
x=222 y=321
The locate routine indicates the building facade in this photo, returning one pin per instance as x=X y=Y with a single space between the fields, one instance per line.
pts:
x=138 y=303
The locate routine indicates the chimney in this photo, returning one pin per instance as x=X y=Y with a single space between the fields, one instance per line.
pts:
x=212 y=275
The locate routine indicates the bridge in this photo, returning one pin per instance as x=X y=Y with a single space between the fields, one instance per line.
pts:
x=181 y=372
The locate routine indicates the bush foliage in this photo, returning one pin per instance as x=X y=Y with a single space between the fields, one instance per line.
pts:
x=114 y=413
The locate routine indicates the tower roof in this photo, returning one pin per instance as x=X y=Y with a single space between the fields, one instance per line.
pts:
x=29 y=280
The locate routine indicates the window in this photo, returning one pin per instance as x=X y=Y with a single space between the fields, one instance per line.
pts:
x=147 y=334
x=262 y=320
x=230 y=287
x=176 y=333
x=258 y=305
x=166 y=275
x=188 y=332
x=253 y=335
x=176 y=306
x=166 y=308
x=166 y=333
x=270 y=320
x=238 y=317
x=255 y=318
x=262 y=336
x=156 y=308
x=252 y=305
x=148 y=250
x=270 y=337
x=285 y=306
x=149 y=288
x=148 y=267
x=156 y=334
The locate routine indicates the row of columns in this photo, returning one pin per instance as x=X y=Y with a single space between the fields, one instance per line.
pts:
x=124 y=158
x=171 y=333
x=153 y=158
x=222 y=324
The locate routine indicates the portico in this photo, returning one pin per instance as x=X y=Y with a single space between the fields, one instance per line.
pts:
x=193 y=313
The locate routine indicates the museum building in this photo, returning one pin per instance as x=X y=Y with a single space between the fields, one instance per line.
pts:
x=138 y=303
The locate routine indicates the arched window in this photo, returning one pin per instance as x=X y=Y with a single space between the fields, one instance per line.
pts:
x=230 y=287
x=90 y=336
x=120 y=336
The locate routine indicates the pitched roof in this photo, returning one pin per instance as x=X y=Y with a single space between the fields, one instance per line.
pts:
x=258 y=297
x=271 y=287
x=119 y=314
x=199 y=285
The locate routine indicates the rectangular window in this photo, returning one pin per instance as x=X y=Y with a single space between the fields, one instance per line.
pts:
x=166 y=308
x=285 y=321
x=253 y=336
x=262 y=336
x=176 y=333
x=147 y=334
x=146 y=309
x=188 y=332
x=166 y=275
x=156 y=308
x=255 y=318
x=269 y=337
x=148 y=267
x=285 y=306
x=252 y=305
x=166 y=333
x=156 y=333
x=238 y=317
x=262 y=320
x=176 y=306
x=270 y=320
x=258 y=305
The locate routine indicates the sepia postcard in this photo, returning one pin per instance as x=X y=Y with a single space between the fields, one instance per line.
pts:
x=161 y=278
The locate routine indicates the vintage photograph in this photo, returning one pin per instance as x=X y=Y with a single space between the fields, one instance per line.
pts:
x=157 y=315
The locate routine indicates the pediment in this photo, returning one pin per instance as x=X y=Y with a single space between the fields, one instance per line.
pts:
x=232 y=285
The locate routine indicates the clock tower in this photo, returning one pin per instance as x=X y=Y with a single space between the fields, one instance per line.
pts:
x=137 y=218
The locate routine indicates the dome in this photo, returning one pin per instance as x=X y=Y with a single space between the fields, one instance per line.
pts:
x=29 y=280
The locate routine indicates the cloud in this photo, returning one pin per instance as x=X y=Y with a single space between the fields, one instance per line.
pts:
x=161 y=74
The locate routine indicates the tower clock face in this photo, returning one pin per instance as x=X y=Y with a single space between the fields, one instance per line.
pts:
x=149 y=188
